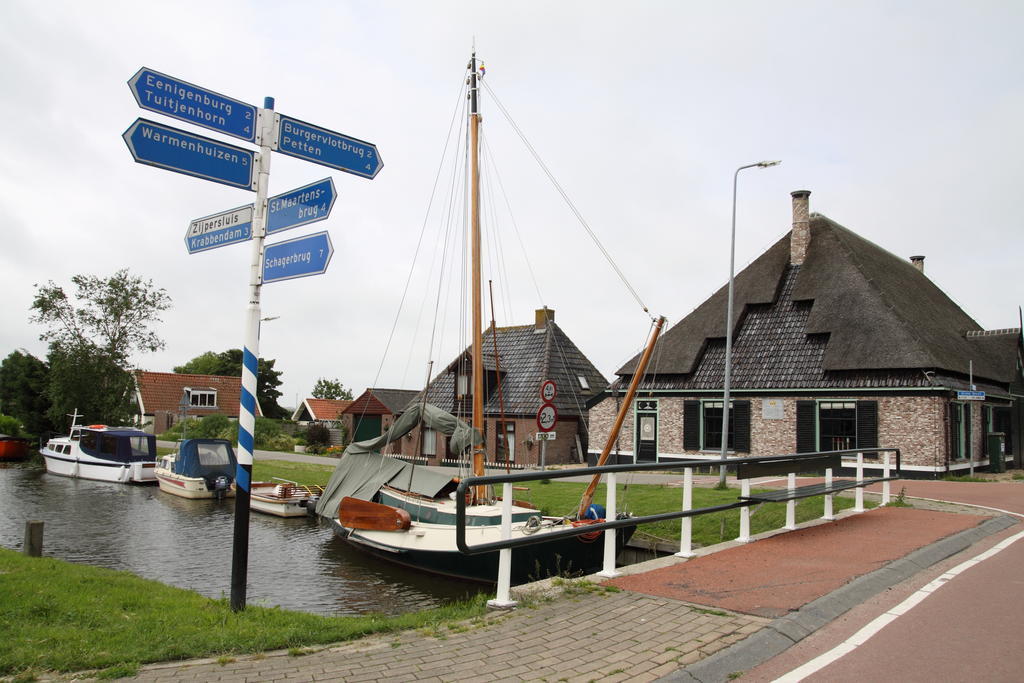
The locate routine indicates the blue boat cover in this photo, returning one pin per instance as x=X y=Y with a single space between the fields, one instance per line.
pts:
x=119 y=445
x=205 y=458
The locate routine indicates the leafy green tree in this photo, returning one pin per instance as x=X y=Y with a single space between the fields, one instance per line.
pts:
x=23 y=391
x=92 y=338
x=332 y=389
x=229 y=364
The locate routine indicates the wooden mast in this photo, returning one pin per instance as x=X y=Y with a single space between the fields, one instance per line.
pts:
x=477 y=321
x=638 y=373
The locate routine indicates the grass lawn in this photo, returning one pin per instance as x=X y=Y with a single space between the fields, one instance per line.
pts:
x=58 y=616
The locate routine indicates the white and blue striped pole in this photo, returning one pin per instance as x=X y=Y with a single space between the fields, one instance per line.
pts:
x=250 y=364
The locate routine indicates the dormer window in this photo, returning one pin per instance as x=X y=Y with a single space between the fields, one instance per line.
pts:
x=202 y=398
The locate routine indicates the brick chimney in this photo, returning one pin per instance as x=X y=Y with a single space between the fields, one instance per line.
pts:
x=800 y=238
x=541 y=318
x=918 y=262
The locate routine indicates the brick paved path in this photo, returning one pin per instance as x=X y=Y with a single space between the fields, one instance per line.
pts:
x=591 y=635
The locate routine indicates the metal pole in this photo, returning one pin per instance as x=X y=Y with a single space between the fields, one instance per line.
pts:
x=503 y=597
x=608 y=569
x=728 y=321
x=250 y=364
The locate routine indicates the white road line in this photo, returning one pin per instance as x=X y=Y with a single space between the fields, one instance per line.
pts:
x=876 y=625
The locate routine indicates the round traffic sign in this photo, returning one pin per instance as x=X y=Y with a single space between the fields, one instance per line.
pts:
x=547 y=416
x=548 y=390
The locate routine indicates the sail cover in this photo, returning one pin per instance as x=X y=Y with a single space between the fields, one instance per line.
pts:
x=362 y=470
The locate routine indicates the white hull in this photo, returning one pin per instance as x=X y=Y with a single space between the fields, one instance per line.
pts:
x=278 y=500
x=83 y=466
x=187 y=487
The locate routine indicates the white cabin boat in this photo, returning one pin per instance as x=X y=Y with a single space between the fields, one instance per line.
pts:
x=118 y=454
x=201 y=468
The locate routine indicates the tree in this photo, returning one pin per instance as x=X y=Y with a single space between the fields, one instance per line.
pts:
x=332 y=389
x=23 y=391
x=229 y=364
x=92 y=339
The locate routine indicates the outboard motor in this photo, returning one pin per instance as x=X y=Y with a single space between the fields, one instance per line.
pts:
x=221 y=485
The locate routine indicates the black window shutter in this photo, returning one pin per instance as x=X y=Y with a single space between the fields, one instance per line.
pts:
x=691 y=425
x=806 y=426
x=954 y=431
x=986 y=418
x=741 y=426
x=867 y=424
x=968 y=446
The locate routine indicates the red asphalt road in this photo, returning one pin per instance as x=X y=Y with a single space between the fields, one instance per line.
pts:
x=773 y=576
x=970 y=628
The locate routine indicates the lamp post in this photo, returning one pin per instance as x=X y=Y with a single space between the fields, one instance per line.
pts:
x=728 y=321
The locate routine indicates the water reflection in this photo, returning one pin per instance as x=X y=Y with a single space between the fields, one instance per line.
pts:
x=296 y=563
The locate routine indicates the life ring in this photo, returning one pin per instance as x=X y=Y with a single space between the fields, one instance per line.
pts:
x=96 y=427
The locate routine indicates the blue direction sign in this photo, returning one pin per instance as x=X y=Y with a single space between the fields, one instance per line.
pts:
x=301 y=206
x=155 y=144
x=186 y=102
x=219 y=229
x=321 y=146
x=299 y=257
x=970 y=395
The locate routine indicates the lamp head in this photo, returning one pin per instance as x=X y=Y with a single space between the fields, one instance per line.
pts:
x=766 y=164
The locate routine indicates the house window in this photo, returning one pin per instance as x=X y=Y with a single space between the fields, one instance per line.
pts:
x=506 y=441
x=702 y=426
x=711 y=424
x=584 y=384
x=959 y=431
x=429 y=442
x=199 y=398
x=462 y=385
x=837 y=425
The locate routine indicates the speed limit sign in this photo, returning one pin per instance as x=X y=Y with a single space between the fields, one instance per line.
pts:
x=548 y=390
x=547 y=416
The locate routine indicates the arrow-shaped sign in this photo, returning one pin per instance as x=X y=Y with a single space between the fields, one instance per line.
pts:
x=155 y=144
x=321 y=146
x=299 y=257
x=219 y=229
x=186 y=102
x=301 y=206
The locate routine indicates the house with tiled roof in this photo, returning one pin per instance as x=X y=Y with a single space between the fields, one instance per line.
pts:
x=527 y=356
x=320 y=410
x=376 y=409
x=837 y=344
x=163 y=397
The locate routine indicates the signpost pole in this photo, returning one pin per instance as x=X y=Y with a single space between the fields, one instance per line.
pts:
x=250 y=365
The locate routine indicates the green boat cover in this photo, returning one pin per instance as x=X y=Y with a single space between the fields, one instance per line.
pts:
x=362 y=470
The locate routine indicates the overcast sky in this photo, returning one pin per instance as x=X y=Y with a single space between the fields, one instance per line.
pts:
x=902 y=118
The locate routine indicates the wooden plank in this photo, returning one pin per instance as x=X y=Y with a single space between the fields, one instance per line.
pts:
x=354 y=513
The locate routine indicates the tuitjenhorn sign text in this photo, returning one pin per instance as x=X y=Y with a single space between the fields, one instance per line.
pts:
x=184 y=101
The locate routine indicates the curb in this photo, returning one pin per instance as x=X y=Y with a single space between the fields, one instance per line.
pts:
x=784 y=632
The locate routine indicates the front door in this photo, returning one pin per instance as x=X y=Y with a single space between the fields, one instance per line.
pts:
x=647 y=431
x=367 y=427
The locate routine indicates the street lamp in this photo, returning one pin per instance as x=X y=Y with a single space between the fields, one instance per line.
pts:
x=728 y=320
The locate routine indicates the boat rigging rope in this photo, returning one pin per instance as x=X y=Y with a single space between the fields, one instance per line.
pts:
x=565 y=196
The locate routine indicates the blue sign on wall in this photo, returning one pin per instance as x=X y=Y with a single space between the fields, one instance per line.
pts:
x=299 y=257
x=186 y=102
x=301 y=206
x=155 y=144
x=321 y=146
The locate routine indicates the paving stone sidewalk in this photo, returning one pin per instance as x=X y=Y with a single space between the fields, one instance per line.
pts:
x=581 y=635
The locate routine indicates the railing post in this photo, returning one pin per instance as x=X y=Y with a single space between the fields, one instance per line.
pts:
x=744 y=536
x=885 y=475
x=686 y=528
x=503 y=599
x=791 y=504
x=608 y=571
x=829 y=514
x=859 y=506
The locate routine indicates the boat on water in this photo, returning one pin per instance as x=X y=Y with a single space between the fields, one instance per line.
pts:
x=406 y=514
x=200 y=468
x=119 y=454
x=283 y=498
x=12 y=448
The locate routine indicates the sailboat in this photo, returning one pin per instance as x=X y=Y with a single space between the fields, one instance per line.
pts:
x=406 y=514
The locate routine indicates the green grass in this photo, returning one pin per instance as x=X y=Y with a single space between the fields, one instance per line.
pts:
x=299 y=472
x=57 y=616
x=965 y=477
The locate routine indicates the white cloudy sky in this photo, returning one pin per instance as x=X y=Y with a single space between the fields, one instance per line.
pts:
x=902 y=118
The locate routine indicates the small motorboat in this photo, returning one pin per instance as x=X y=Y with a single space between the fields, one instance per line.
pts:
x=201 y=468
x=283 y=498
x=12 y=448
x=119 y=454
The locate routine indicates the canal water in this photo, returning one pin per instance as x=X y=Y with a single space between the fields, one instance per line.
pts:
x=297 y=563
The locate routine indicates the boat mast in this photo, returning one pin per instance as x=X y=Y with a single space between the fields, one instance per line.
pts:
x=477 y=318
x=638 y=373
